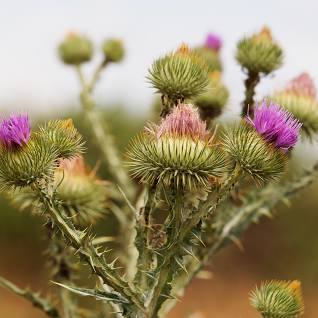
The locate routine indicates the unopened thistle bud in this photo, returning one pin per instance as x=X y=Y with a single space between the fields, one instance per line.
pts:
x=259 y=53
x=177 y=153
x=213 y=42
x=299 y=98
x=75 y=49
x=83 y=196
x=278 y=299
x=259 y=145
x=213 y=101
x=179 y=75
x=114 y=50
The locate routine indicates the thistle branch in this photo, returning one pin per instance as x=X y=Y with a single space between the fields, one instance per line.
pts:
x=37 y=301
x=250 y=84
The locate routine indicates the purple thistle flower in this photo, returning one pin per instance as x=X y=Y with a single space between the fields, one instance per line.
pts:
x=213 y=41
x=276 y=125
x=15 y=131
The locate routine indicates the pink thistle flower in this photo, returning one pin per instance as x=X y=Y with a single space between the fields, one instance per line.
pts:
x=276 y=125
x=302 y=85
x=213 y=42
x=15 y=131
x=184 y=120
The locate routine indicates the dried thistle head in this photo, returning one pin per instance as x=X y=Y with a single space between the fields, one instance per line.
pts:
x=177 y=152
x=179 y=75
x=75 y=49
x=299 y=98
x=278 y=299
x=259 y=53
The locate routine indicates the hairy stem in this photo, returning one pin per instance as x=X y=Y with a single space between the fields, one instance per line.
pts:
x=250 y=84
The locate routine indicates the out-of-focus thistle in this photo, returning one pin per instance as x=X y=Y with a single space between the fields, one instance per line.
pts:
x=212 y=102
x=75 y=49
x=259 y=145
x=258 y=55
x=299 y=98
x=213 y=42
x=114 y=50
x=178 y=152
x=278 y=299
x=178 y=76
x=83 y=196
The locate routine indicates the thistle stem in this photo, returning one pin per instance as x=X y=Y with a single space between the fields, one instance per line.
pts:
x=250 y=84
x=37 y=301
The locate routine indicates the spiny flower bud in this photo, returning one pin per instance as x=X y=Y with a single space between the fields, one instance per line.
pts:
x=83 y=196
x=259 y=53
x=114 y=50
x=212 y=102
x=179 y=75
x=75 y=49
x=299 y=98
x=259 y=145
x=278 y=299
x=15 y=131
x=213 y=42
x=210 y=57
x=177 y=152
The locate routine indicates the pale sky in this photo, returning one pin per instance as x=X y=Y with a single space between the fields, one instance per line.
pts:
x=33 y=79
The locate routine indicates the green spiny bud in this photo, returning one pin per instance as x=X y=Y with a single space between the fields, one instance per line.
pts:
x=114 y=50
x=64 y=136
x=177 y=153
x=75 y=49
x=210 y=57
x=259 y=53
x=24 y=166
x=213 y=101
x=179 y=75
x=278 y=299
x=260 y=159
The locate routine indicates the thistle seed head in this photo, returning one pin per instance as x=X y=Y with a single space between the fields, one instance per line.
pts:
x=15 y=131
x=278 y=299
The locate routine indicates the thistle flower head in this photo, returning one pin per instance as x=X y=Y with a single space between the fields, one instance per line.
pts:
x=213 y=41
x=276 y=125
x=278 y=299
x=114 y=50
x=302 y=85
x=265 y=35
x=15 y=131
x=184 y=120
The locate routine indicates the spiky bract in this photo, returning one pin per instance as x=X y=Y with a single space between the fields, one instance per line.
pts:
x=179 y=162
x=64 y=136
x=278 y=299
x=261 y=160
x=259 y=53
x=114 y=50
x=75 y=49
x=304 y=108
x=213 y=101
x=210 y=57
x=24 y=166
x=179 y=75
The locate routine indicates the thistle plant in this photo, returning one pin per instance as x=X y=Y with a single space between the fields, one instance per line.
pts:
x=171 y=191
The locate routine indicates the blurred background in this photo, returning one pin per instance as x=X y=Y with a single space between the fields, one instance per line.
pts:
x=33 y=80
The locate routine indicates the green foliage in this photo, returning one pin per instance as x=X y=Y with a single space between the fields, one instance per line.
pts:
x=75 y=49
x=253 y=154
x=304 y=108
x=259 y=56
x=179 y=76
x=181 y=162
x=114 y=50
x=278 y=299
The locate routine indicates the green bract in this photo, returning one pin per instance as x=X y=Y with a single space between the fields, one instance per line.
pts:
x=24 y=166
x=253 y=154
x=180 y=162
x=278 y=299
x=304 y=108
x=64 y=136
x=113 y=50
x=179 y=76
x=75 y=49
x=210 y=57
x=259 y=56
